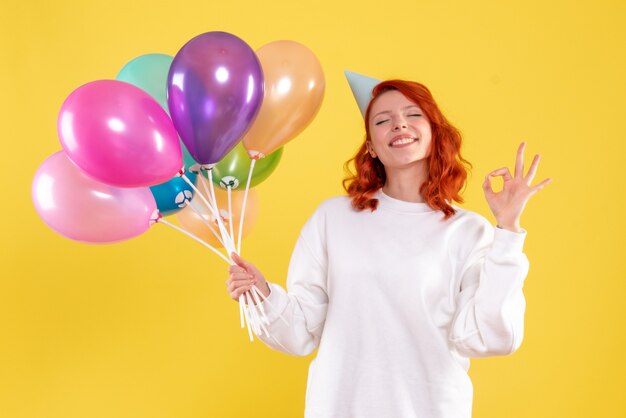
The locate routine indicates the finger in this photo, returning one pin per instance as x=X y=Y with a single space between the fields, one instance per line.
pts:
x=241 y=276
x=236 y=269
x=519 y=161
x=504 y=172
x=532 y=170
x=238 y=292
x=234 y=286
x=242 y=282
x=237 y=259
x=487 y=186
x=240 y=261
x=540 y=186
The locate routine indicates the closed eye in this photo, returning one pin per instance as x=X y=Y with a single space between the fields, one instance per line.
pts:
x=382 y=121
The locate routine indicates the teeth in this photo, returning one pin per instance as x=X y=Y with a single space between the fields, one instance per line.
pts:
x=402 y=141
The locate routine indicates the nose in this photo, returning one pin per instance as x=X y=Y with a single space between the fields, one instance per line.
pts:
x=399 y=123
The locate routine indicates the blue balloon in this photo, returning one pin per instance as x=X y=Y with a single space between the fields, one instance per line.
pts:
x=174 y=194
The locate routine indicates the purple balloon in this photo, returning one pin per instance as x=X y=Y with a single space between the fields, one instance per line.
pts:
x=119 y=135
x=215 y=90
x=80 y=208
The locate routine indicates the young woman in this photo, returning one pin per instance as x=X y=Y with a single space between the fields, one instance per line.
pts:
x=395 y=286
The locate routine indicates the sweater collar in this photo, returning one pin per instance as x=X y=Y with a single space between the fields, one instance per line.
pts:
x=388 y=202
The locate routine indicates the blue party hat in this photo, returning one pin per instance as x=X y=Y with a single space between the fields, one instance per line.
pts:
x=361 y=86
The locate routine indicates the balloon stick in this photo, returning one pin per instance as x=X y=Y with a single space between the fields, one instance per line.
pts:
x=231 y=239
x=243 y=205
x=230 y=211
x=268 y=301
x=245 y=312
x=212 y=207
x=207 y=223
x=189 y=234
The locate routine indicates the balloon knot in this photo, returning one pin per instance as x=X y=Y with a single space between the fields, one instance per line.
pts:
x=154 y=218
x=255 y=155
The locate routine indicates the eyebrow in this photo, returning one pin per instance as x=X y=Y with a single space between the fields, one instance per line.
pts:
x=389 y=111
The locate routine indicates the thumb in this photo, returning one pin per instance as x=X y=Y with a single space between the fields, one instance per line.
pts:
x=240 y=261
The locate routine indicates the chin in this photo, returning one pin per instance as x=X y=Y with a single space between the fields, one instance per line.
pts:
x=412 y=161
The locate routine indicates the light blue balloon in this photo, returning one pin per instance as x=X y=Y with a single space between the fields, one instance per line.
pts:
x=149 y=73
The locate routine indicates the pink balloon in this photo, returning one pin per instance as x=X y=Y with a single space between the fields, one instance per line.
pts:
x=80 y=208
x=119 y=135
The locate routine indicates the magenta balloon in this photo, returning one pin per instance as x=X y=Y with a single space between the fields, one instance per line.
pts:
x=214 y=92
x=119 y=135
x=80 y=208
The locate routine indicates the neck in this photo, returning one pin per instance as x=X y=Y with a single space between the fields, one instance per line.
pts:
x=404 y=183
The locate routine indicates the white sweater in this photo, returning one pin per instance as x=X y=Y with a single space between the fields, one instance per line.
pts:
x=397 y=300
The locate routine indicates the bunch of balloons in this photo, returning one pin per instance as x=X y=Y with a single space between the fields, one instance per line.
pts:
x=135 y=148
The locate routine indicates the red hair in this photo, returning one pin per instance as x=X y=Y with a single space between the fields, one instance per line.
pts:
x=447 y=171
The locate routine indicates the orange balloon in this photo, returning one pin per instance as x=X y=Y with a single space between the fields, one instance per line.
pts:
x=193 y=223
x=294 y=89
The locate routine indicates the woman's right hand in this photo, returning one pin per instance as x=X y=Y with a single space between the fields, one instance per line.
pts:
x=243 y=276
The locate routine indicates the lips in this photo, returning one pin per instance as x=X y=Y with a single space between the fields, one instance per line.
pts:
x=402 y=140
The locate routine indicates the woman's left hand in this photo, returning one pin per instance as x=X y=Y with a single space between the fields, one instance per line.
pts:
x=508 y=204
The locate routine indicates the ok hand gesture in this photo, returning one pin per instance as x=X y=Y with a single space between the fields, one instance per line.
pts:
x=508 y=204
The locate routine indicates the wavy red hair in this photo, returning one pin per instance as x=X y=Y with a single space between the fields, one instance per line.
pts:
x=447 y=170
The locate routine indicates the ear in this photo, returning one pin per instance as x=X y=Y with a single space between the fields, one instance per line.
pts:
x=370 y=149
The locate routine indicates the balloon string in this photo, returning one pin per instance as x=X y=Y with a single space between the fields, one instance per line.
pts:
x=231 y=238
x=260 y=317
x=253 y=315
x=245 y=313
x=243 y=205
x=210 y=206
x=259 y=305
x=230 y=211
x=243 y=324
x=230 y=245
x=195 y=189
x=207 y=223
x=254 y=323
x=189 y=234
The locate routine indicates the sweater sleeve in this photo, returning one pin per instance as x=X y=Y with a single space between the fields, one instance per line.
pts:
x=303 y=306
x=490 y=305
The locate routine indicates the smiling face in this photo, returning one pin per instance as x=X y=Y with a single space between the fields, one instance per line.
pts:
x=400 y=132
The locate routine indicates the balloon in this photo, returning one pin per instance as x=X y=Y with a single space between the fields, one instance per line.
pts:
x=172 y=195
x=215 y=89
x=149 y=73
x=233 y=169
x=80 y=208
x=190 y=221
x=294 y=89
x=119 y=135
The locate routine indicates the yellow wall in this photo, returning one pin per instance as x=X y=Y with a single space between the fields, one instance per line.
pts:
x=145 y=328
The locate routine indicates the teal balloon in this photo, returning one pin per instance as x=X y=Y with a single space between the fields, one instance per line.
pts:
x=233 y=169
x=149 y=73
x=188 y=160
x=172 y=196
